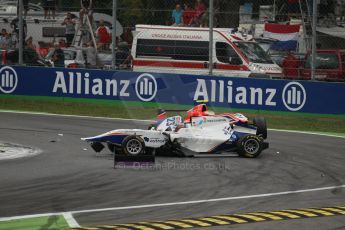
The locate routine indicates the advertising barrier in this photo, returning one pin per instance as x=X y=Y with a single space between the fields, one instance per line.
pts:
x=232 y=92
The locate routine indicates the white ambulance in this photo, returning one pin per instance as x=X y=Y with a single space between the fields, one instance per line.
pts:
x=185 y=50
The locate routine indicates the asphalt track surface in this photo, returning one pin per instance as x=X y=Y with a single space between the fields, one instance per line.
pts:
x=69 y=176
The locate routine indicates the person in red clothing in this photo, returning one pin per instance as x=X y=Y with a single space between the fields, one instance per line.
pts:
x=43 y=48
x=188 y=15
x=200 y=9
x=103 y=34
x=291 y=66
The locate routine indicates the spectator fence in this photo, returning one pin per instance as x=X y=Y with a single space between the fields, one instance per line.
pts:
x=292 y=32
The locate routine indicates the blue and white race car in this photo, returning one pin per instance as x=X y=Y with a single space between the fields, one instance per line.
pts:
x=201 y=132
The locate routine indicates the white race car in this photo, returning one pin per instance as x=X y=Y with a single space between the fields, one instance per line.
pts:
x=201 y=132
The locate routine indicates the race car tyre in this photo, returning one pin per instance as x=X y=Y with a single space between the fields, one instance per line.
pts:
x=250 y=146
x=133 y=146
x=261 y=126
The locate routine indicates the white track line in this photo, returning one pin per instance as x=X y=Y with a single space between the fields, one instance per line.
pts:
x=70 y=220
x=210 y=200
x=69 y=215
x=149 y=121
x=306 y=132
x=178 y=203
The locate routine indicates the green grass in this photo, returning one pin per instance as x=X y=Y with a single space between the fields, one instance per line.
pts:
x=148 y=110
x=39 y=223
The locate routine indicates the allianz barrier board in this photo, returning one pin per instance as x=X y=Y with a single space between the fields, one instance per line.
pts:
x=242 y=93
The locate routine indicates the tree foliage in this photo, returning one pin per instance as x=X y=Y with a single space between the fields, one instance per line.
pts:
x=131 y=12
x=227 y=13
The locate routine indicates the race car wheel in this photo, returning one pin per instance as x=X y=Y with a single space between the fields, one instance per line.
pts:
x=261 y=126
x=133 y=145
x=250 y=146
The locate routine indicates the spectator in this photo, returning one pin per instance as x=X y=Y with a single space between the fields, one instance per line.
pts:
x=58 y=56
x=200 y=9
x=3 y=33
x=291 y=66
x=86 y=9
x=29 y=44
x=5 y=39
x=31 y=52
x=69 y=29
x=123 y=57
x=103 y=34
x=293 y=8
x=204 y=19
x=43 y=49
x=49 y=7
x=127 y=36
x=188 y=14
x=62 y=43
x=30 y=57
x=91 y=56
x=340 y=10
x=15 y=25
x=172 y=3
x=177 y=15
x=7 y=43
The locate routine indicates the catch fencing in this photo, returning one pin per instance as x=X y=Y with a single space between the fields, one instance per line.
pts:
x=288 y=31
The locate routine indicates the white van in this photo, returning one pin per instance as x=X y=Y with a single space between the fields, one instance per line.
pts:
x=186 y=50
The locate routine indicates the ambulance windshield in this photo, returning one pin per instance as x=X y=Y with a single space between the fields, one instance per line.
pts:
x=254 y=52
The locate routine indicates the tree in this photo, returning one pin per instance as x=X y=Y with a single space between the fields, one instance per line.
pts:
x=227 y=13
x=156 y=12
x=130 y=12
